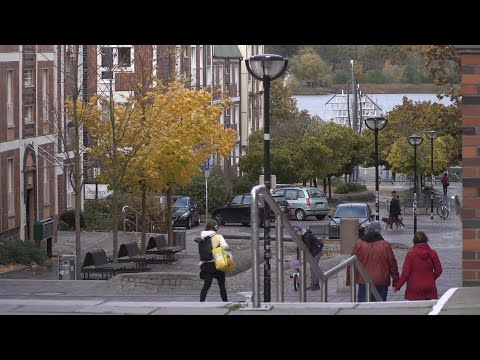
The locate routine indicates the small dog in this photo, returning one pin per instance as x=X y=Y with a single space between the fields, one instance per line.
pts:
x=389 y=222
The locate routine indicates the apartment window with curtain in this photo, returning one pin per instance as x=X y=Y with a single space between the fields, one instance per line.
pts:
x=46 y=184
x=28 y=78
x=10 y=98
x=45 y=109
x=11 y=195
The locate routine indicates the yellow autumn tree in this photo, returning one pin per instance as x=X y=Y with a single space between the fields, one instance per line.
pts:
x=184 y=130
x=118 y=132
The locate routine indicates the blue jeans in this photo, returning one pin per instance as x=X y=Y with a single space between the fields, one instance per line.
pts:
x=382 y=289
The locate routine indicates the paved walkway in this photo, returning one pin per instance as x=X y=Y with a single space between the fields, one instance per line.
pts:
x=42 y=284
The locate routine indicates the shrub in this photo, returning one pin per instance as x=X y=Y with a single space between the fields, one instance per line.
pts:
x=68 y=217
x=21 y=252
x=350 y=187
x=219 y=190
x=242 y=184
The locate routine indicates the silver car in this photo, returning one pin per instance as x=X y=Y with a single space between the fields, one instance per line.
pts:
x=361 y=211
x=305 y=201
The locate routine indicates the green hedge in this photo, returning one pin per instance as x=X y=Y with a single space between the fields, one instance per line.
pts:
x=21 y=252
x=350 y=187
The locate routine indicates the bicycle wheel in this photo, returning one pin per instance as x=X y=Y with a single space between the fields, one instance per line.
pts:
x=296 y=282
x=443 y=212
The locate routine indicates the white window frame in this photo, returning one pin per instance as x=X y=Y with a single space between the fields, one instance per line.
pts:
x=11 y=193
x=28 y=114
x=46 y=184
x=10 y=122
x=28 y=77
x=45 y=109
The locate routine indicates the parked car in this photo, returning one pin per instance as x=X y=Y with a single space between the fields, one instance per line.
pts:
x=282 y=203
x=237 y=210
x=185 y=212
x=361 y=211
x=305 y=201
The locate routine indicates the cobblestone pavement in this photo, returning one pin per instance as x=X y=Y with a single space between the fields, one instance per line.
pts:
x=445 y=238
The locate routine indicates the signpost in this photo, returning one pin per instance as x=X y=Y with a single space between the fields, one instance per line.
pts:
x=207 y=174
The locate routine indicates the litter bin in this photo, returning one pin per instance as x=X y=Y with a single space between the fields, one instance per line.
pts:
x=66 y=267
x=180 y=237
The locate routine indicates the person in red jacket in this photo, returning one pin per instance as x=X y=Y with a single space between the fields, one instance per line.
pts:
x=378 y=259
x=420 y=270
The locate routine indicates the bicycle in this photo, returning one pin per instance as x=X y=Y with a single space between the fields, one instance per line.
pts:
x=295 y=265
x=442 y=210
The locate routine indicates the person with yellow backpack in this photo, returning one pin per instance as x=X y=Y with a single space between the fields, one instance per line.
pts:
x=209 y=239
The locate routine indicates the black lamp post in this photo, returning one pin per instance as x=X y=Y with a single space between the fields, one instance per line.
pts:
x=376 y=124
x=266 y=67
x=432 y=135
x=415 y=140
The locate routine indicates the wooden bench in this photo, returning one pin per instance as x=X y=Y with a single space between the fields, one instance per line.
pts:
x=96 y=261
x=157 y=245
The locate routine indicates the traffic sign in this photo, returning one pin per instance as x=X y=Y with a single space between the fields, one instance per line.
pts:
x=207 y=164
x=207 y=173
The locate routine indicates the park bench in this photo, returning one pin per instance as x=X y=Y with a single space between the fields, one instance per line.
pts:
x=157 y=245
x=130 y=252
x=96 y=261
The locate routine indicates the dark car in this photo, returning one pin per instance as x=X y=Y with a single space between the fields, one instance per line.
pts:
x=237 y=210
x=185 y=212
x=361 y=211
x=282 y=203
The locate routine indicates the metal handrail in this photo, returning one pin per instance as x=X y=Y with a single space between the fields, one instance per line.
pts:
x=282 y=221
x=137 y=213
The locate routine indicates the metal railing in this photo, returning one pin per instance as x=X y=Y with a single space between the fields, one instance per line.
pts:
x=138 y=215
x=282 y=222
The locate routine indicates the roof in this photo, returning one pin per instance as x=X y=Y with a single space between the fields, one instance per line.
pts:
x=227 y=52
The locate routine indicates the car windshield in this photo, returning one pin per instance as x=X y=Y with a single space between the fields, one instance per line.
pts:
x=180 y=203
x=350 y=211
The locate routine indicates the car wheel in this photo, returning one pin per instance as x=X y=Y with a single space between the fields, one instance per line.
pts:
x=300 y=214
x=219 y=219
x=320 y=217
x=189 y=223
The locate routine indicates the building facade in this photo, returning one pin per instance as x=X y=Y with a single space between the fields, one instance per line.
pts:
x=32 y=185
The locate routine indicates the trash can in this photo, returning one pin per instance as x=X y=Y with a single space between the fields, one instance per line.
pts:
x=66 y=267
x=180 y=237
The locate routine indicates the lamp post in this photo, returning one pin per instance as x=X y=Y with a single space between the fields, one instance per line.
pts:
x=432 y=135
x=415 y=140
x=376 y=124
x=266 y=67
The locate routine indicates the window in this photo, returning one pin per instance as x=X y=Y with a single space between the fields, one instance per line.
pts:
x=28 y=77
x=28 y=114
x=9 y=98
x=46 y=185
x=107 y=57
x=11 y=204
x=107 y=75
x=45 y=95
x=124 y=56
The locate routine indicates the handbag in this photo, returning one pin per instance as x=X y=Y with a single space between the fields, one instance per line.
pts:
x=223 y=260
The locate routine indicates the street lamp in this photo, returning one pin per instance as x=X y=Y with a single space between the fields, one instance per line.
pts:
x=432 y=135
x=376 y=124
x=266 y=67
x=415 y=140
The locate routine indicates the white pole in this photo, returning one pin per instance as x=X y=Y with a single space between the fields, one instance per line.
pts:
x=206 y=199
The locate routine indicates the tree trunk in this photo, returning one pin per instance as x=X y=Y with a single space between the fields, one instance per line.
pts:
x=169 y=216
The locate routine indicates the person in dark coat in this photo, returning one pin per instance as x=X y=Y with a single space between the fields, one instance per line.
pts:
x=315 y=247
x=378 y=259
x=395 y=209
x=420 y=270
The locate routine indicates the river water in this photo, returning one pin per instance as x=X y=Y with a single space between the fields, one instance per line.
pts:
x=316 y=104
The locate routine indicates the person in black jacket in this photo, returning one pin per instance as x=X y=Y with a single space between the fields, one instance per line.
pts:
x=315 y=247
x=395 y=209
